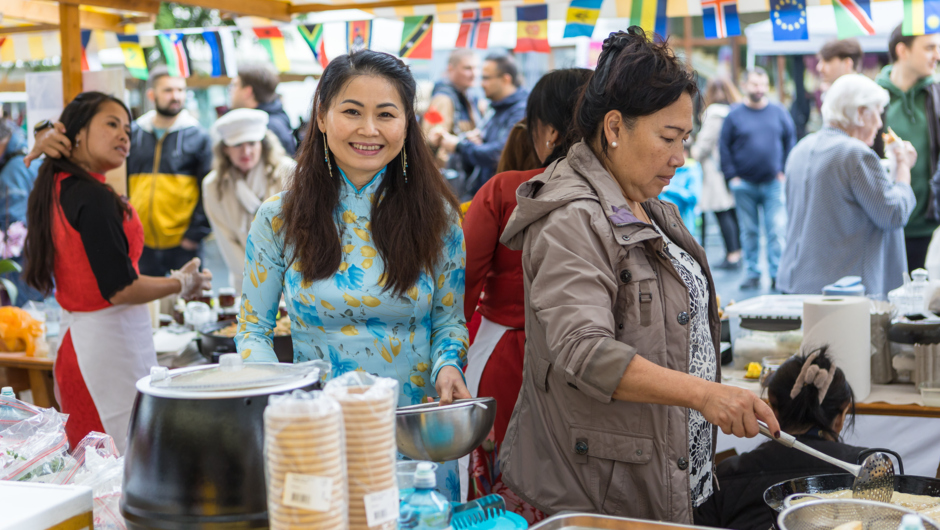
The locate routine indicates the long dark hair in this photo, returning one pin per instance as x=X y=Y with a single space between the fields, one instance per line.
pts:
x=805 y=411
x=634 y=75
x=408 y=220
x=552 y=102
x=40 y=210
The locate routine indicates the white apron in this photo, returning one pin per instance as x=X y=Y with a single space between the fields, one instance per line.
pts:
x=488 y=336
x=114 y=348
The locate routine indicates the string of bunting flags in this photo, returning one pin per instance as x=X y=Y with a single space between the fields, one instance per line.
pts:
x=720 y=19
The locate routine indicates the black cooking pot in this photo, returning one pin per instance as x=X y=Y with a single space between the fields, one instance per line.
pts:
x=212 y=345
x=194 y=457
x=775 y=494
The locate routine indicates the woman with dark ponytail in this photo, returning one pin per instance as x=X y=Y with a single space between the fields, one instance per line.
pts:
x=621 y=387
x=813 y=401
x=84 y=241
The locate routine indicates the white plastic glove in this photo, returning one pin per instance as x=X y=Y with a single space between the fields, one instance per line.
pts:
x=192 y=282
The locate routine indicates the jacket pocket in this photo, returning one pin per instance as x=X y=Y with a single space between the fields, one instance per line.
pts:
x=611 y=457
x=542 y=369
x=636 y=301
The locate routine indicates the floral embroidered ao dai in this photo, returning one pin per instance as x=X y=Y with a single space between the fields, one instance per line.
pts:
x=349 y=320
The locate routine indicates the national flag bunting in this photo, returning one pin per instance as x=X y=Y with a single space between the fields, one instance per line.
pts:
x=175 y=53
x=313 y=35
x=416 y=37
x=651 y=16
x=788 y=18
x=532 y=30
x=358 y=35
x=134 y=58
x=273 y=41
x=582 y=17
x=475 y=28
x=720 y=19
x=90 y=59
x=853 y=18
x=921 y=17
x=218 y=54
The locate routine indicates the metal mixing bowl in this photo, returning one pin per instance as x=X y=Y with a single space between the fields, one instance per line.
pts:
x=440 y=433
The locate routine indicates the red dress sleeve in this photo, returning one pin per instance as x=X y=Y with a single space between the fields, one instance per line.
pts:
x=481 y=229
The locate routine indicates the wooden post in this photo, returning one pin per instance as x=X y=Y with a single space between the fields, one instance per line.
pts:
x=687 y=39
x=781 y=75
x=735 y=60
x=71 y=38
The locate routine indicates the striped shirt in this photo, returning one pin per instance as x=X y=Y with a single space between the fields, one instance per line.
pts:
x=845 y=215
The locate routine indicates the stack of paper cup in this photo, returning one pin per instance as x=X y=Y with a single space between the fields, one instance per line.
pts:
x=368 y=405
x=303 y=441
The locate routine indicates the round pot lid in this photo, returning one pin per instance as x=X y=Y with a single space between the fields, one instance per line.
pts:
x=231 y=375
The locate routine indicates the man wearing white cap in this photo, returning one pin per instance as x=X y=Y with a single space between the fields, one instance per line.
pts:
x=249 y=166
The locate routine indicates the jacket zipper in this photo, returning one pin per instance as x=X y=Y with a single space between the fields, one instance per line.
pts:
x=157 y=152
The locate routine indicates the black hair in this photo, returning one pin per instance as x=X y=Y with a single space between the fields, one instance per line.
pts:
x=634 y=75
x=410 y=216
x=552 y=102
x=506 y=65
x=898 y=37
x=40 y=249
x=805 y=411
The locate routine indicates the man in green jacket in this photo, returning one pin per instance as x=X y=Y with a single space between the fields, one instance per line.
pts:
x=913 y=115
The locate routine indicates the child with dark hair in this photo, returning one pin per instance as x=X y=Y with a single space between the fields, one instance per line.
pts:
x=812 y=400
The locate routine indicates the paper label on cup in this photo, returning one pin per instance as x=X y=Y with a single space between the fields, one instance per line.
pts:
x=308 y=492
x=381 y=507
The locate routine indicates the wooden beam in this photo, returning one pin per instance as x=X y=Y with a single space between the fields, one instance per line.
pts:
x=273 y=9
x=200 y=81
x=10 y=30
x=71 y=37
x=316 y=8
x=48 y=13
x=12 y=86
x=781 y=75
x=137 y=6
x=687 y=38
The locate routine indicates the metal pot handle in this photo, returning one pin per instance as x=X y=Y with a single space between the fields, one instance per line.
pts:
x=864 y=454
x=787 y=502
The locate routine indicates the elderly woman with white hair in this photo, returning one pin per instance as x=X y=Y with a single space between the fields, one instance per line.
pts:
x=846 y=211
x=249 y=166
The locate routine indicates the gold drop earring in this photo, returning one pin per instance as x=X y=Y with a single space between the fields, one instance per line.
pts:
x=404 y=164
x=326 y=155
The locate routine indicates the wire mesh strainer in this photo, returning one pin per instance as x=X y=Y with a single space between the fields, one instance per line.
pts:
x=828 y=514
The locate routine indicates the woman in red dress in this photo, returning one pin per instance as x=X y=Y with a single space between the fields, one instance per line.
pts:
x=494 y=361
x=84 y=240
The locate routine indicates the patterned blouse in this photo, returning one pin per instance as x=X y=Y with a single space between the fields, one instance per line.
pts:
x=348 y=319
x=703 y=363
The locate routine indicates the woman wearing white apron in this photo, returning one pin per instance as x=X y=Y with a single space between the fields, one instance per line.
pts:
x=85 y=241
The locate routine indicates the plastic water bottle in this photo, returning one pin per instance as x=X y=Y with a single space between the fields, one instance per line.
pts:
x=918 y=290
x=911 y=522
x=10 y=414
x=425 y=509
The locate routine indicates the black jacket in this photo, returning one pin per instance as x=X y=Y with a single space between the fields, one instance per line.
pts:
x=279 y=124
x=738 y=502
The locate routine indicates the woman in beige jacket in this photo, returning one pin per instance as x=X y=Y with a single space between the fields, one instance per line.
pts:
x=621 y=378
x=250 y=165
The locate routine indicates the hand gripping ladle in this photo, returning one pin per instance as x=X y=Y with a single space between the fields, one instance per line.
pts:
x=874 y=479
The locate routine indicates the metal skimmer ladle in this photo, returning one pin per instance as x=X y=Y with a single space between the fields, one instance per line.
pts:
x=874 y=479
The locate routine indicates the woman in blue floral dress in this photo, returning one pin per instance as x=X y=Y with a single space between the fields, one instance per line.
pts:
x=365 y=245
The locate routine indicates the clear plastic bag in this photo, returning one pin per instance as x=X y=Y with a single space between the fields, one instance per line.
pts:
x=305 y=468
x=99 y=467
x=369 y=404
x=34 y=449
